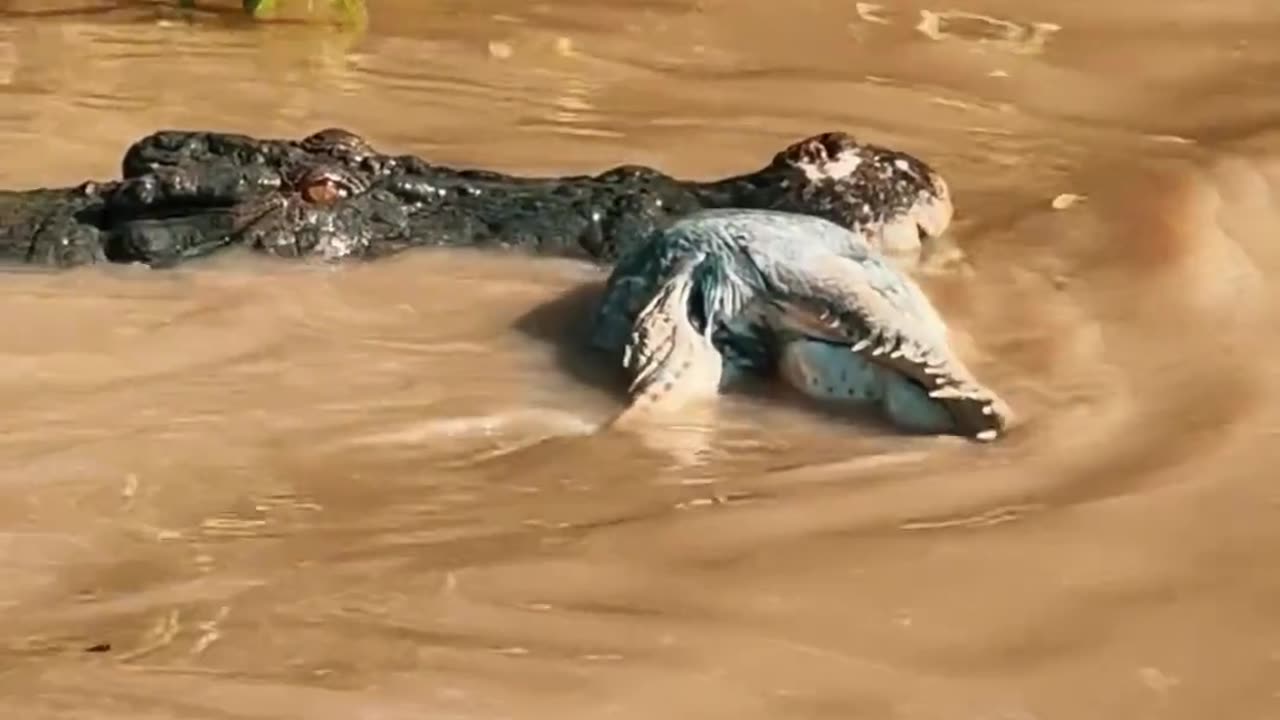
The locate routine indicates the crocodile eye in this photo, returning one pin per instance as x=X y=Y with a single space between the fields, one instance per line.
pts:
x=324 y=191
x=325 y=186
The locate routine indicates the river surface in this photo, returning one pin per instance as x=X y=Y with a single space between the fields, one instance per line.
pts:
x=253 y=490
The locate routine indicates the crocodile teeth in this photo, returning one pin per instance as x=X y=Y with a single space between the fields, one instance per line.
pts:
x=944 y=393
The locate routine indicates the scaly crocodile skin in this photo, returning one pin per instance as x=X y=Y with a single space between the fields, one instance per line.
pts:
x=331 y=195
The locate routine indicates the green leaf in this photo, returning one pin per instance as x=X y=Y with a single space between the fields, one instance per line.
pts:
x=345 y=12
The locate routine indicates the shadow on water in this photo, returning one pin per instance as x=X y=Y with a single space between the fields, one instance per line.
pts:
x=565 y=323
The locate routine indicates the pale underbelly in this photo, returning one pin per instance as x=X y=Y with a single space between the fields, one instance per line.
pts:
x=835 y=374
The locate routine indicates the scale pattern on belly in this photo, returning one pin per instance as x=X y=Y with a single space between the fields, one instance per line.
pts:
x=830 y=372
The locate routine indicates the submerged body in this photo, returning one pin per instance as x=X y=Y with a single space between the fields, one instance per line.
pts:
x=726 y=292
x=331 y=195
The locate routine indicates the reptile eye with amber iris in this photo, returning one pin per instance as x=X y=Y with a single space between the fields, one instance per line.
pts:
x=327 y=185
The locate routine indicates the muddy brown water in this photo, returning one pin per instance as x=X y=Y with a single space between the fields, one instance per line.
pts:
x=244 y=490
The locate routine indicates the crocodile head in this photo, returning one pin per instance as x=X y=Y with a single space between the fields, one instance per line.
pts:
x=332 y=195
x=896 y=200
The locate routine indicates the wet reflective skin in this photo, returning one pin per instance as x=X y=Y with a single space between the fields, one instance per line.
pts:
x=332 y=195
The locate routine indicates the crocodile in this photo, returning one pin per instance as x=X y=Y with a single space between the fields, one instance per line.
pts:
x=331 y=195
x=793 y=268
